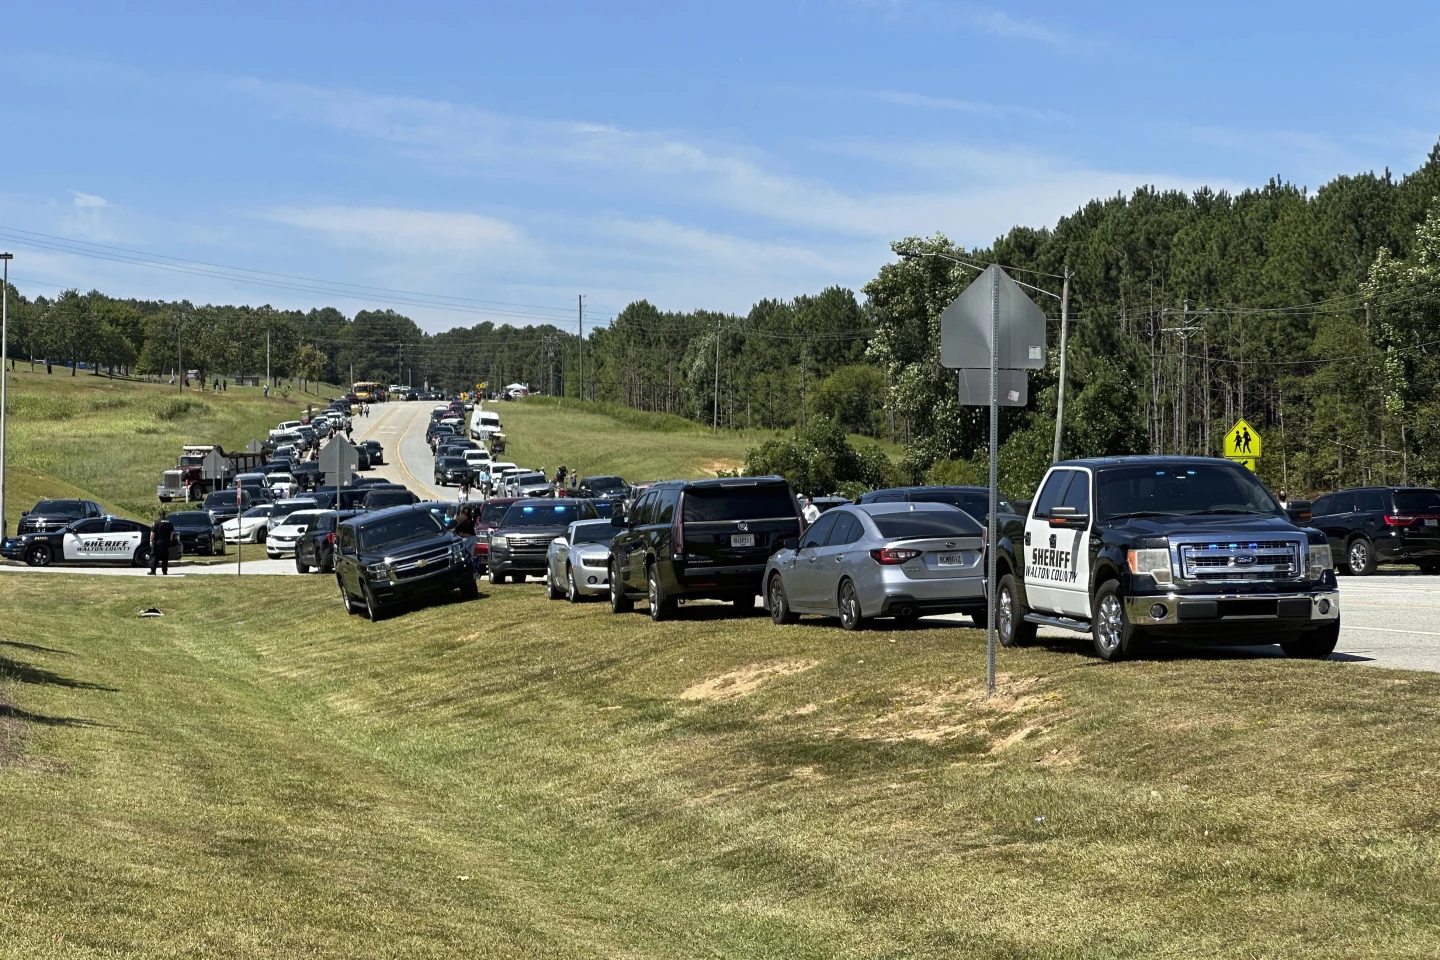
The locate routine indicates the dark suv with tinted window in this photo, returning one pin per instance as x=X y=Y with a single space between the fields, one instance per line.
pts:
x=520 y=540
x=397 y=555
x=700 y=539
x=1372 y=525
x=50 y=515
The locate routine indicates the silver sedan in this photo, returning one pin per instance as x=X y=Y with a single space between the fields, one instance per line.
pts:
x=577 y=565
x=901 y=560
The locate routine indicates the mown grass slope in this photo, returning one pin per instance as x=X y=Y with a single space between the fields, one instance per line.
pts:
x=109 y=440
x=256 y=774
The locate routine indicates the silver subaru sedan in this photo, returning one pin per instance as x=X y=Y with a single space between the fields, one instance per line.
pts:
x=901 y=560
x=577 y=565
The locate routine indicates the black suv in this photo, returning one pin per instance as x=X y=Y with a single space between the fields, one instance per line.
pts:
x=1371 y=525
x=520 y=540
x=50 y=515
x=1131 y=549
x=380 y=496
x=396 y=555
x=450 y=470
x=222 y=504
x=700 y=539
x=200 y=531
x=603 y=488
x=315 y=549
x=375 y=451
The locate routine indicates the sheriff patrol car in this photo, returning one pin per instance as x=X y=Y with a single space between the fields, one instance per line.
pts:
x=1129 y=549
x=93 y=540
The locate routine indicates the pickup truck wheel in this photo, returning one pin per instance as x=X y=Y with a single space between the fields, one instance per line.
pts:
x=779 y=603
x=496 y=577
x=1361 y=557
x=300 y=567
x=661 y=606
x=1114 y=636
x=619 y=603
x=849 y=604
x=1316 y=645
x=1010 y=624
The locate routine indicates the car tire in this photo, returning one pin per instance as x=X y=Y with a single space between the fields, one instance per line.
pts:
x=661 y=606
x=141 y=556
x=1430 y=569
x=1114 y=636
x=469 y=590
x=351 y=607
x=1317 y=644
x=745 y=604
x=1360 y=557
x=572 y=589
x=1011 y=627
x=779 y=603
x=518 y=577
x=300 y=567
x=847 y=601
x=552 y=589
x=619 y=603
x=496 y=578
x=40 y=555
x=373 y=609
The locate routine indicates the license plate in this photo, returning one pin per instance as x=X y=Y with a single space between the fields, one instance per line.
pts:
x=951 y=560
x=742 y=539
x=1432 y=522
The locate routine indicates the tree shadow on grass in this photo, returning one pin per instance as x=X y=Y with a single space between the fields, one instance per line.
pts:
x=15 y=713
x=34 y=647
x=22 y=672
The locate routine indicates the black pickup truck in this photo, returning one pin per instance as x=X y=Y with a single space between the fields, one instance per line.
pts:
x=1130 y=549
x=398 y=555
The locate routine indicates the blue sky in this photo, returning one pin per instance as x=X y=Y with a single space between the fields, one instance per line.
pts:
x=698 y=155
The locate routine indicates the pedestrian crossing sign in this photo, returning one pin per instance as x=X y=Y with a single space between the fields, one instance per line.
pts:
x=1243 y=443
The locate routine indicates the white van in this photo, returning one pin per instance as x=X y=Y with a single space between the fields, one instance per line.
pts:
x=483 y=423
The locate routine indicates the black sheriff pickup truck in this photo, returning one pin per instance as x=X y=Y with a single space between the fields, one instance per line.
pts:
x=1130 y=549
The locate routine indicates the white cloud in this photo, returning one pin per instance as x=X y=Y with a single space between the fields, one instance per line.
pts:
x=402 y=231
x=86 y=201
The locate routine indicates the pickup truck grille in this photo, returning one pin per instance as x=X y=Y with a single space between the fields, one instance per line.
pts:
x=421 y=564
x=1216 y=561
x=529 y=547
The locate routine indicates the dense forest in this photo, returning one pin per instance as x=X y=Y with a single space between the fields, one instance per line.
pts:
x=1316 y=316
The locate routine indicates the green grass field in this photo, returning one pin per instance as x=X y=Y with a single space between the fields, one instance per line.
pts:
x=257 y=775
x=110 y=440
x=600 y=438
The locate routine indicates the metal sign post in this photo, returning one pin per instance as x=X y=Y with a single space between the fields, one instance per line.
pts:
x=239 y=540
x=994 y=541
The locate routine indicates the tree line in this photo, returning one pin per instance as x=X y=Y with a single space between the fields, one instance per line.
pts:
x=1312 y=315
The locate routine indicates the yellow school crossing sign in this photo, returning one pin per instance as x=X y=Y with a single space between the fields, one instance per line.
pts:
x=1242 y=444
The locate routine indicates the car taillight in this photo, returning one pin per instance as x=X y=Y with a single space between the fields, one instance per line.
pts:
x=1398 y=521
x=890 y=556
x=482 y=548
x=330 y=539
x=679 y=533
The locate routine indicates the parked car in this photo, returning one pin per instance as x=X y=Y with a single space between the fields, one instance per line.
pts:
x=283 y=508
x=577 y=565
x=532 y=484
x=315 y=549
x=283 y=485
x=381 y=496
x=603 y=488
x=55 y=514
x=399 y=554
x=973 y=500
x=1371 y=525
x=521 y=539
x=375 y=451
x=200 y=531
x=901 y=560
x=250 y=527
x=223 y=504
x=362 y=458
x=281 y=540
x=700 y=539
x=87 y=540
x=451 y=470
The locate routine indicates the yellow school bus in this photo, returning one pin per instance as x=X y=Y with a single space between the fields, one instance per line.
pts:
x=366 y=390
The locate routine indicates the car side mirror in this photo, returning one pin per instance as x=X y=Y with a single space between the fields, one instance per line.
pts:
x=790 y=543
x=1069 y=518
x=24 y=513
x=1299 y=511
x=562 y=541
x=617 y=519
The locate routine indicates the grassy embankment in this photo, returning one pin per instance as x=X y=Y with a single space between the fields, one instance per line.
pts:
x=257 y=775
x=109 y=440
x=602 y=438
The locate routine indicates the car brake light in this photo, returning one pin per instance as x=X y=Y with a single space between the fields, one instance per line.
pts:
x=330 y=539
x=678 y=545
x=1398 y=521
x=890 y=556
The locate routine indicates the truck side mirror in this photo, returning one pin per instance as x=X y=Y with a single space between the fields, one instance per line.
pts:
x=1299 y=511
x=1068 y=518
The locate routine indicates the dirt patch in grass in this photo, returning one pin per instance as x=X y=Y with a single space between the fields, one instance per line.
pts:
x=1017 y=710
x=716 y=467
x=744 y=681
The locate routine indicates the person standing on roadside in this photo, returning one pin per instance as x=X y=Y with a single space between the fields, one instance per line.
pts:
x=162 y=536
x=811 y=513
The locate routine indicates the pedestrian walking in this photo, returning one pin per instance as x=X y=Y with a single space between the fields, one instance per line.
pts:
x=162 y=536
x=464 y=495
x=267 y=391
x=811 y=512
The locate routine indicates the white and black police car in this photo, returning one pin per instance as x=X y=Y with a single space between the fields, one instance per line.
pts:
x=91 y=540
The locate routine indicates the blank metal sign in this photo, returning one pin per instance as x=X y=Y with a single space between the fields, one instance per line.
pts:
x=965 y=327
x=975 y=387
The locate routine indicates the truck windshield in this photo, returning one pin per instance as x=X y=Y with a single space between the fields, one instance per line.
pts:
x=1181 y=490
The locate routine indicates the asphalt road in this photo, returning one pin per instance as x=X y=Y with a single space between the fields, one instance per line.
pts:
x=400 y=428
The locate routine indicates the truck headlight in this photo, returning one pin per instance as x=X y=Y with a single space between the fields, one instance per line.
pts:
x=1320 y=561
x=457 y=552
x=498 y=542
x=1151 y=562
x=377 y=571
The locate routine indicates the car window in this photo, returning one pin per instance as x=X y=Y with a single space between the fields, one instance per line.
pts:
x=55 y=508
x=1051 y=493
x=666 y=506
x=1322 y=507
x=761 y=502
x=642 y=509
x=1370 y=501
x=846 y=530
x=1182 y=489
x=122 y=526
x=819 y=531
x=1417 y=501
x=93 y=525
x=1077 y=495
x=1344 y=503
x=411 y=525
x=926 y=523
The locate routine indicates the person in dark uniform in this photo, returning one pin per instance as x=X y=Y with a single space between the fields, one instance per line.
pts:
x=162 y=535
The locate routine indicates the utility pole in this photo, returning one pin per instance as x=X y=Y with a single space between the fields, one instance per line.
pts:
x=1064 y=342
x=580 y=300
x=716 y=424
x=179 y=353
x=267 y=356
x=4 y=374
x=1185 y=331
